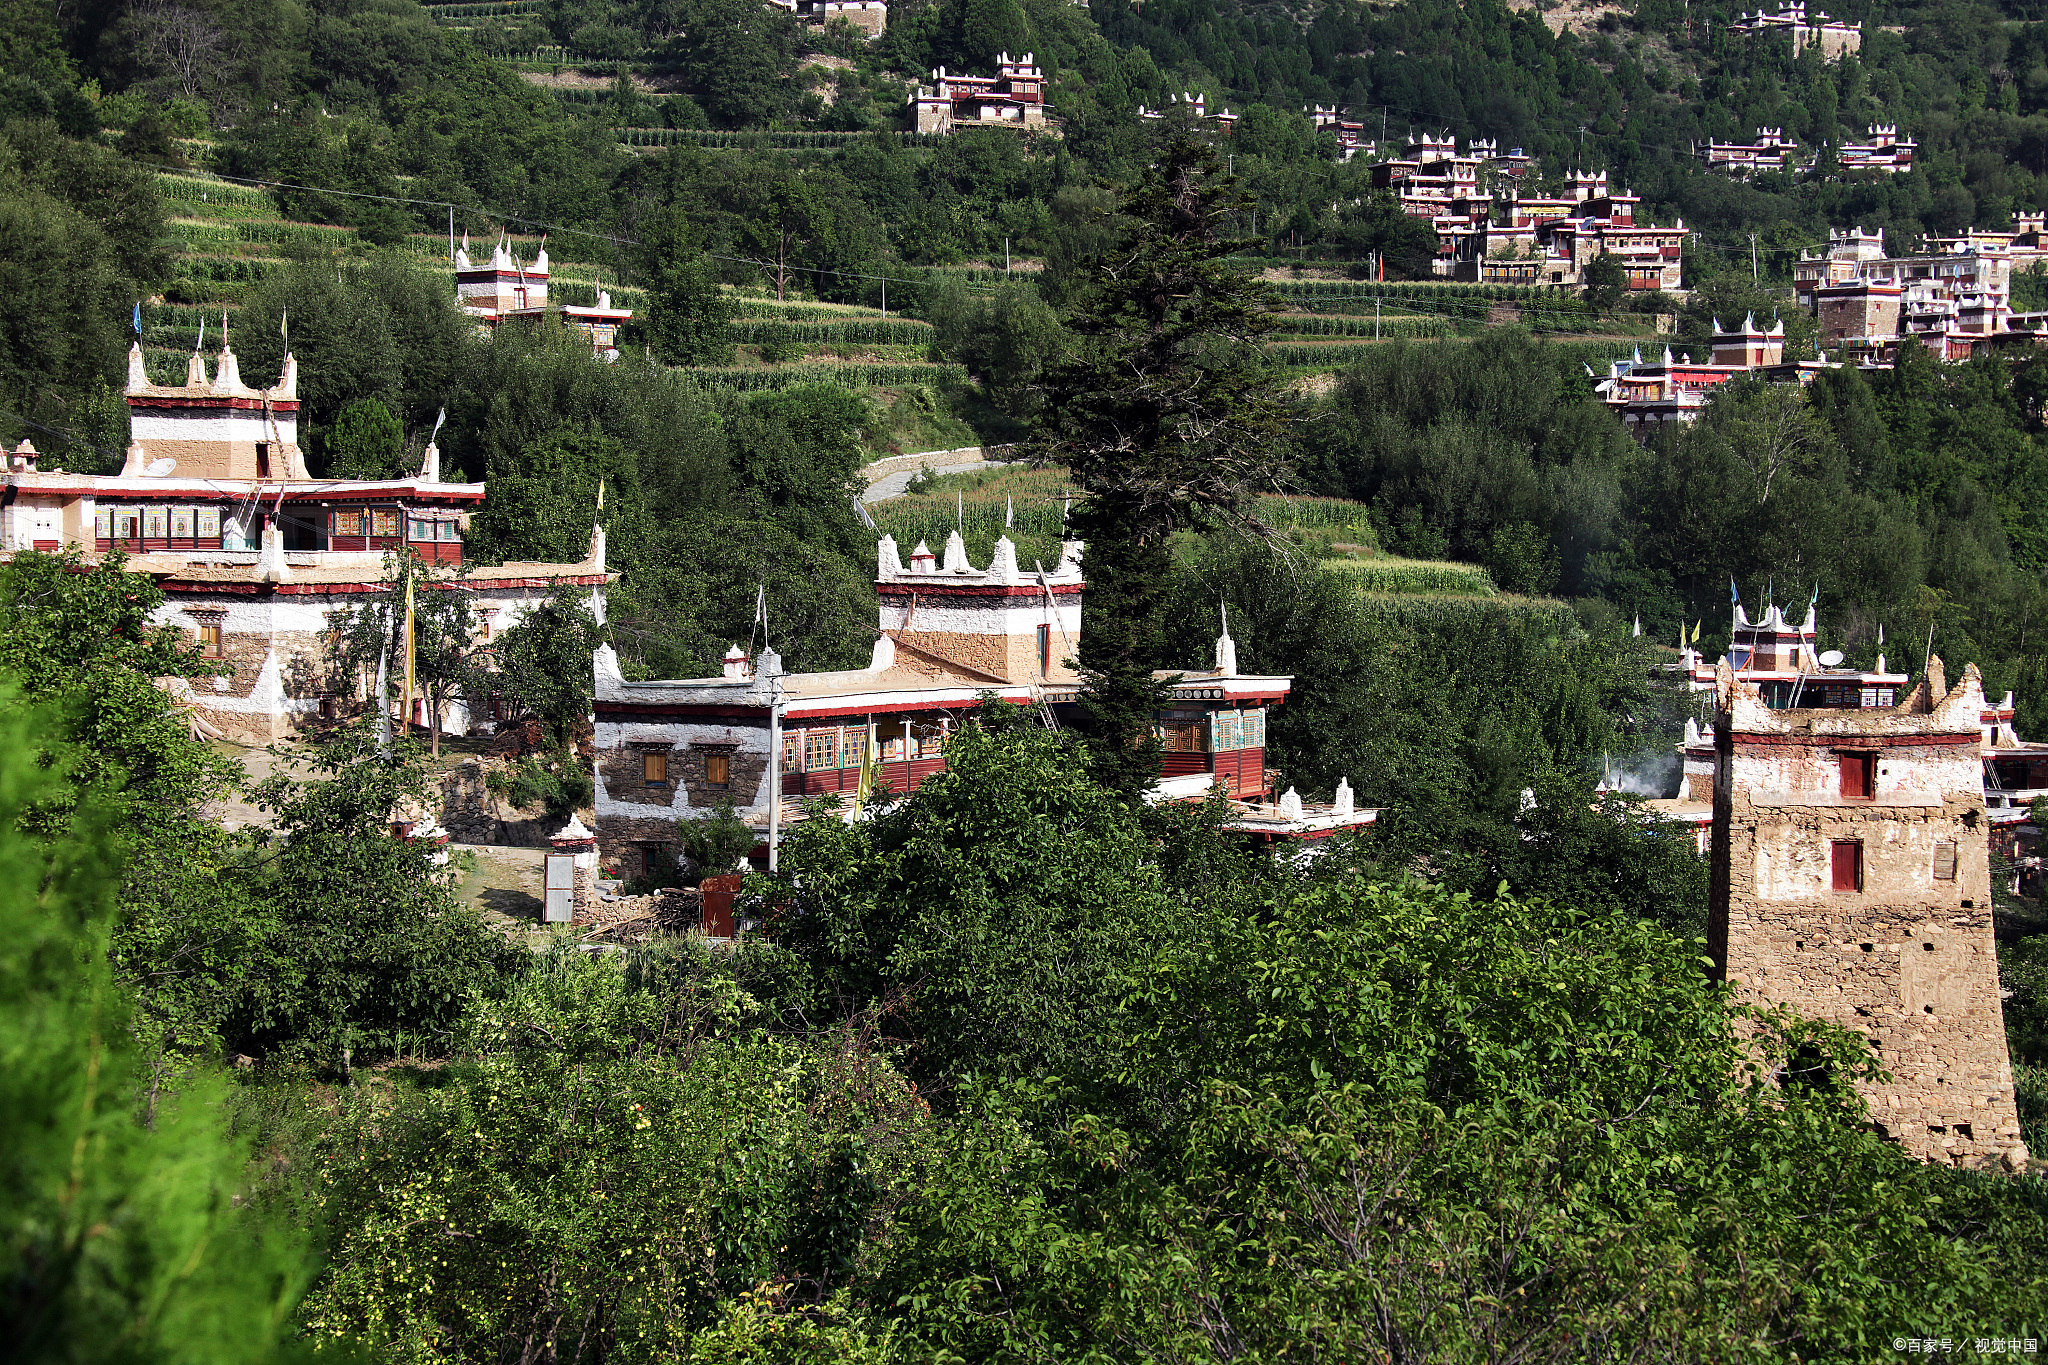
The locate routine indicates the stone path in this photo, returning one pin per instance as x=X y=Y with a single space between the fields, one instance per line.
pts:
x=893 y=485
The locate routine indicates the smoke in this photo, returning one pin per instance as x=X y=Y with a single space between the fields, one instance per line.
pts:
x=1657 y=772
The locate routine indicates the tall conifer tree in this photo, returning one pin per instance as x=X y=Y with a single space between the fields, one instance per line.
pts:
x=1168 y=418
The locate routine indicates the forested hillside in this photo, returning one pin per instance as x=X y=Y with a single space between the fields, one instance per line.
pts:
x=1020 y=1067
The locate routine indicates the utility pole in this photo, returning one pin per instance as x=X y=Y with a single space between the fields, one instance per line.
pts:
x=774 y=762
x=1006 y=256
x=451 y=232
x=885 y=300
x=1375 y=317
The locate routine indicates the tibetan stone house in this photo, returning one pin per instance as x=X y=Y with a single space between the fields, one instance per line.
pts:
x=254 y=556
x=949 y=634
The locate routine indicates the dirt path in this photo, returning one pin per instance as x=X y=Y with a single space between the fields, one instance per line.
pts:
x=505 y=883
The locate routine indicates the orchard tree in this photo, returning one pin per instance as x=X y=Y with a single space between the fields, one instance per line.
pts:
x=1166 y=416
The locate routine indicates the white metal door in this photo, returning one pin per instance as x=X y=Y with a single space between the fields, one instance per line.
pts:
x=561 y=884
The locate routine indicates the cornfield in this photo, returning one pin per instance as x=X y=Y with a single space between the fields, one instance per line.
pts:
x=851 y=376
x=1342 y=353
x=1317 y=514
x=854 y=331
x=496 y=9
x=764 y=139
x=1417 y=612
x=1396 y=576
x=1344 y=325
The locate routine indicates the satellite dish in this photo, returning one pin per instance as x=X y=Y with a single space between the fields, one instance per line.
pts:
x=1831 y=659
x=156 y=469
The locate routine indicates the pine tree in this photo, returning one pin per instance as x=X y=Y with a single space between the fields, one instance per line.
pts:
x=119 y=1240
x=1167 y=417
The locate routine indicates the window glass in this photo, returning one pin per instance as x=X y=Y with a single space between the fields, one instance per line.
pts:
x=852 y=747
x=103 y=523
x=206 y=523
x=181 y=523
x=821 y=750
x=450 y=530
x=420 y=529
x=156 y=522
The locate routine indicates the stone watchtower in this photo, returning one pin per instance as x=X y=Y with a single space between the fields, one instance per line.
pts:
x=1851 y=882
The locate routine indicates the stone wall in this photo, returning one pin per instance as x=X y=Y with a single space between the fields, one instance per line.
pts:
x=620 y=838
x=473 y=815
x=744 y=772
x=1905 y=957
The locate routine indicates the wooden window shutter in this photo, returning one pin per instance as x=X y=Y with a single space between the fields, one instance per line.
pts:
x=1945 y=862
x=654 y=768
x=1859 y=773
x=1846 y=858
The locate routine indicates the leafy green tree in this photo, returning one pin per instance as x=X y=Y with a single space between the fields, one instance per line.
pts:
x=1006 y=339
x=687 y=311
x=1001 y=911
x=741 y=59
x=80 y=641
x=692 y=593
x=716 y=842
x=990 y=27
x=366 y=949
x=1379 y=233
x=364 y=443
x=1606 y=281
x=627 y=1164
x=119 y=1238
x=543 y=501
x=382 y=329
x=1406 y=1124
x=1165 y=417
x=61 y=296
x=542 y=664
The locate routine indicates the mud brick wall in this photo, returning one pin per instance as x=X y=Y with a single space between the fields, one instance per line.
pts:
x=1906 y=959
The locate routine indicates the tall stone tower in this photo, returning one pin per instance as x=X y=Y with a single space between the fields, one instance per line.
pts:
x=1851 y=882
